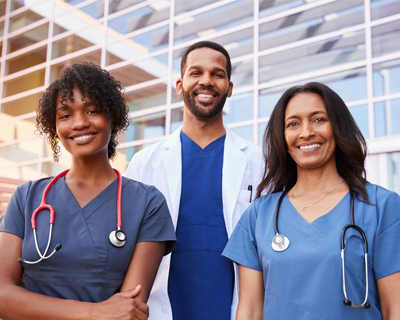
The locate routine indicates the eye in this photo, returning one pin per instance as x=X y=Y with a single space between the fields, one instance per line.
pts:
x=291 y=124
x=64 y=116
x=319 y=120
x=220 y=75
x=92 y=111
x=195 y=73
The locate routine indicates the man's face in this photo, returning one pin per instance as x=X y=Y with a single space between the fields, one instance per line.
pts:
x=205 y=85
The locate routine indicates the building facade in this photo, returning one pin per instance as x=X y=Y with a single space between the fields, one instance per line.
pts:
x=351 y=45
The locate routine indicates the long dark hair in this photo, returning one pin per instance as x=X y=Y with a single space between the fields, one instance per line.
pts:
x=280 y=171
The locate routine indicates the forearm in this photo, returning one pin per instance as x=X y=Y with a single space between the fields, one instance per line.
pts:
x=392 y=313
x=249 y=313
x=18 y=303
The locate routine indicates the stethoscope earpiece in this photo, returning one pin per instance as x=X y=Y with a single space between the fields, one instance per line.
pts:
x=117 y=238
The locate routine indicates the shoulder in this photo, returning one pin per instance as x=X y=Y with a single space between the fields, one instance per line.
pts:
x=263 y=205
x=137 y=186
x=32 y=186
x=380 y=196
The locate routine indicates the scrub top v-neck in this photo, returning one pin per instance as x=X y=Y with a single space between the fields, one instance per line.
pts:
x=304 y=282
x=88 y=267
x=201 y=280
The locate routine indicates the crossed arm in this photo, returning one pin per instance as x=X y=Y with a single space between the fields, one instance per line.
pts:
x=129 y=304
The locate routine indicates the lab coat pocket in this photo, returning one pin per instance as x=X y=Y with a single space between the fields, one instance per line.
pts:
x=243 y=201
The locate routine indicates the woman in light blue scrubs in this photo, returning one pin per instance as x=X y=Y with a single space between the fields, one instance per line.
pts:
x=315 y=152
x=89 y=278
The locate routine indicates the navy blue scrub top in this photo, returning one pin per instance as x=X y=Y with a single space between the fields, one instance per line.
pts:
x=201 y=280
x=88 y=267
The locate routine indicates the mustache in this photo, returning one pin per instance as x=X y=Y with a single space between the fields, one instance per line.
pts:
x=208 y=88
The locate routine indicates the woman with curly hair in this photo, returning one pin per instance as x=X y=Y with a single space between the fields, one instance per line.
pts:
x=96 y=274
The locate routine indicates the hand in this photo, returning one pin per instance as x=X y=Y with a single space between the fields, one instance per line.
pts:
x=122 y=306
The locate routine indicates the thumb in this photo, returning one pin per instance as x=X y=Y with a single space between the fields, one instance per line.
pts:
x=131 y=293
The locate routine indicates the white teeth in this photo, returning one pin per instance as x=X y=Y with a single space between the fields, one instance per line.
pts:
x=311 y=146
x=82 y=137
x=203 y=95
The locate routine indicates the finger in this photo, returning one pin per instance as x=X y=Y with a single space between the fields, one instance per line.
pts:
x=140 y=315
x=142 y=307
x=131 y=293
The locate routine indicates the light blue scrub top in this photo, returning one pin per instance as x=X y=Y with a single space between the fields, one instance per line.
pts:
x=305 y=281
x=88 y=267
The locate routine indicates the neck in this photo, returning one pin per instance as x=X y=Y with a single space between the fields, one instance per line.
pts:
x=91 y=172
x=318 y=180
x=202 y=131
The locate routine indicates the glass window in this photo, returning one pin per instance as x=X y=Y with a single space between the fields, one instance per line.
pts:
x=27 y=17
x=118 y=5
x=79 y=19
x=143 y=17
x=239 y=108
x=3 y=5
x=94 y=56
x=385 y=38
x=25 y=173
x=384 y=8
x=387 y=77
x=15 y=130
x=27 y=82
x=137 y=46
x=142 y=71
x=21 y=151
x=267 y=100
x=27 y=60
x=1 y=28
x=387 y=115
x=144 y=127
x=80 y=40
x=209 y=22
x=51 y=169
x=360 y=115
x=148 y=97
x=28 y=38
x=238 y=43
x=242 y=74
x=176 y=118
x=323 y=54
x=268 y=8
x=245 y=132
x=261 y=130
x=394 y=171
x=19 y=107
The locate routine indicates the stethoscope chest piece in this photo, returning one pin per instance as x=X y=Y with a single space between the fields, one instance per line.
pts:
x=280 y=242
x=117 y=238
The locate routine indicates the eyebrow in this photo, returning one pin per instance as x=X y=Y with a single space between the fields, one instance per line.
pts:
x=312 y=114
x=66 y=106
x=215 y=69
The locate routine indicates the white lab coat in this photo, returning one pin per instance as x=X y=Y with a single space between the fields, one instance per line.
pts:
x=160 y=165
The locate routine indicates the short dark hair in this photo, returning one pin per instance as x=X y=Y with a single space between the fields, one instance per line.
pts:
x=211 y=45
x=92 y=82
x=280 y=170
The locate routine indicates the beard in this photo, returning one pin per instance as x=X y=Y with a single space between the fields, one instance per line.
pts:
x=213 y=109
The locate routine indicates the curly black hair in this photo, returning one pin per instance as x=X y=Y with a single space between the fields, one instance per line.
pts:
x=93 y=82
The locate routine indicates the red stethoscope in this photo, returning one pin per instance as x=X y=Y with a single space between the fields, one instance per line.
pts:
x=117 y=237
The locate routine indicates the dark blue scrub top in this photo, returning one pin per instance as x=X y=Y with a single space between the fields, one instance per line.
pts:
x=201 y=281
x=88 y=267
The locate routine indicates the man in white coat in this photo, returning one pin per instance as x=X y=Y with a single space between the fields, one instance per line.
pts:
x=209 y=176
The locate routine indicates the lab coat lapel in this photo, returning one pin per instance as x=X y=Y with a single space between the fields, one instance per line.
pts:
x=234 y=167
x=172 y=160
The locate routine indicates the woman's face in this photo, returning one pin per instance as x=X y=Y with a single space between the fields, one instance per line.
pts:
x=83 y=129
x=308 y=132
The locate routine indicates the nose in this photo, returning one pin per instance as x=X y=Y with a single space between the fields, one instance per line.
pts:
x=307 y=130
x=80 y=122
x=206 y=80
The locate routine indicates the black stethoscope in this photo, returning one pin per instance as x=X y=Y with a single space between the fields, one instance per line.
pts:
x=281 y=243
x=117 y=237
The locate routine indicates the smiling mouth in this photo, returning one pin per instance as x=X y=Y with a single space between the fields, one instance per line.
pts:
x=310 y=146
x=79 y=138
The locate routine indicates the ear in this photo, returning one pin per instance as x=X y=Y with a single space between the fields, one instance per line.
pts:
x=230 y=90
x=178 y=87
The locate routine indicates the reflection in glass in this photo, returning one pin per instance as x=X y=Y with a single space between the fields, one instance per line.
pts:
x=267 y=101
x=261 y=130
x=28 y=38
x=27 y=60
x=26 y=18
x=245 y=132
x=209 y=22
x=80 y=40
x=21 y=151
x=360 y=115
x=19 y=107
x=27 y=82
x=385 y=38
x=94 y=56
x=176 y=118
x=238 y=43
x=137 y=19
x=394 y=171
x=144 y=127
x=384 y=8
x=268 y=8
x=22 y=129
x=242 y=74
x=381 y=110
x=323 y=54
x=152 y=96
x=387 y=115
x=387 y=77
x=239 y=108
